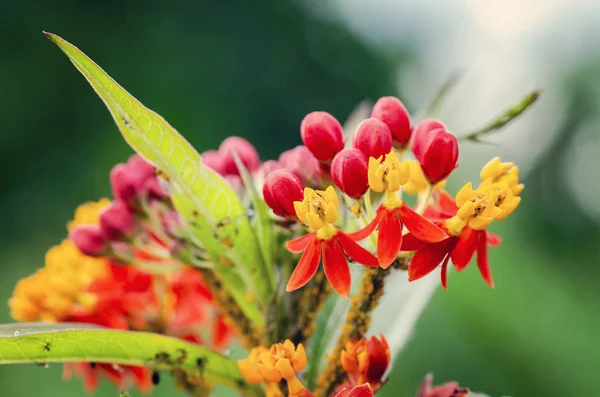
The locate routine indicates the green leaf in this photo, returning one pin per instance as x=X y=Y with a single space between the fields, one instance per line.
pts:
x=262 y=220
x=203 y=198
x=65 y=343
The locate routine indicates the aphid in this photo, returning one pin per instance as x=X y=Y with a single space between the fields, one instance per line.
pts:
x=47 y=346
x=182 y=356
x=155 y=378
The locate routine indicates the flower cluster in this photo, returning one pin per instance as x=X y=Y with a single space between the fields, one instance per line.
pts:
x=373 y=195
x=102 y=275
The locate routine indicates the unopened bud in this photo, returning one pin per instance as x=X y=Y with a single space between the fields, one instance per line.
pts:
x=392 y=112
x=121 y=183
x=213 y=160
x=269 y=166
x=280 y=190
x=244 y=150
x=322 y=134
x=436 y=150
x=89 y=240
x=373 y=138
x=116 y=221
x=302 y=163
x=140 y=171
x=350 y=172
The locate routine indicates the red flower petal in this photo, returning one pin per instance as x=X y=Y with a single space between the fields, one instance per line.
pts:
x=427 y=259
x=361 y=391
x=355 y=251
x=336 y=267
x=298 y=245
x=465 y=248
x=493 y=240
x=446 y=202
x=378 y=360
x=444 y=274
x=482 y=259
x=421 y=228
x=367 y=230
x=390 y=238
x=411 y=243
x=306 y=267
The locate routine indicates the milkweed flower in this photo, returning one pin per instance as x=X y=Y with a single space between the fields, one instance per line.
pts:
x=393 y=113
x=465 y=220
x=373 y=138
x=319 y=209
x=366 y=361
x=281 y=189
x=393 y=214
x=272 y=365
x=363 y=390
x=349 y=172
x=436 y=149
x=322 y=134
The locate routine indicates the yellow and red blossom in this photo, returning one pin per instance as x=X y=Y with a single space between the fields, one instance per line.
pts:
x=319 y=209
x=366 y=361
x=465 y=220
x=271 y=365
x=388 y=175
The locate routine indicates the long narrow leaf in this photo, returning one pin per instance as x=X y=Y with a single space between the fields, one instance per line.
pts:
x=64 y=343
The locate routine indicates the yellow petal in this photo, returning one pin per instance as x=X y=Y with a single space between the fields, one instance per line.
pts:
x=331 y=196
x=299 y=359
x=250 y=372
x=393 y=181
x=464 y=194
x=404 y=172
x=466 y=210
x=314 y=221
x=480 y=222
x=508 y=208
x=289 y=346
x=490 y=169
x=517 y=189
x=301 y=209
x=284 y=366
x=376 y=180
x=270 y=374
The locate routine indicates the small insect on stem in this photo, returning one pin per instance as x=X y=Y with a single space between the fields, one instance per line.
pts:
x=182 y=356
x=47 y=346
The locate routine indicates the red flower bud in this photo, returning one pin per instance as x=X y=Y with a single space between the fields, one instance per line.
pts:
x=421 y=130
x=302 y=163
x=392 y=112
x=121 y=183
x=245 y=151
x=349 y=172
x=373 y=138
x=322 y=134
x=280 y=190
x=89 y=240
x=116 y=221
x=213 y=160
x=436 y=150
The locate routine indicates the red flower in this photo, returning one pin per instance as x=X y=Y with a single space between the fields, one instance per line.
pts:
x=319 y=210
x=460 y=248
x=280 y=190
x=393 y=113
x=394 y=214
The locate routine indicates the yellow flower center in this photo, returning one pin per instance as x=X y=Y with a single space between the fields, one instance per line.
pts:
x=388 y=175
x=507 y=174
x=476 y=208
x=319 y=210
x=417 y=182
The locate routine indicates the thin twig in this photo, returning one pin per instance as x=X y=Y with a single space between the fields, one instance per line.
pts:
x=442 y=93
x=505 y=118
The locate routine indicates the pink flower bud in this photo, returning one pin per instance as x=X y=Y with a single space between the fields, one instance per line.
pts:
x=213 y=160
x=436 y=150
x=245 y=151
x=116 y=221
x=269 y=166
x=280 y=190
x=140 y=171
x=302 y=163
x=373 y=138
x=121 y=183
x=322 y=134
x=89 y=240
x=349 y=172
x=392 y=112
x=155 y=189
x=421 y=130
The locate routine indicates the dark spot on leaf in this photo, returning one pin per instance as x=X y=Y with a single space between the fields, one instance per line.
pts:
x=155 y=378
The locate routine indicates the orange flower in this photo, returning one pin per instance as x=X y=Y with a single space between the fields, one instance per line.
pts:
x=319 y=211
x=366 y=361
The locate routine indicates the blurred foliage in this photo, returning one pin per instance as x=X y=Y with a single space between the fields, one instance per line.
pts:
x=255 y=69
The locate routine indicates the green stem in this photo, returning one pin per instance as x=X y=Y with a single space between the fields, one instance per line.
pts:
x=505 y=118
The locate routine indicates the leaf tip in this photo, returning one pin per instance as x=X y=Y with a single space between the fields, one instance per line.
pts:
x=50 y=36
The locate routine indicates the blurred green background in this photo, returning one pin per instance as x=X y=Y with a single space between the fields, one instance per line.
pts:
x=255 y=69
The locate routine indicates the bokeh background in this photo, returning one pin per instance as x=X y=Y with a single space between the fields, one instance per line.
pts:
x=256 y=68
